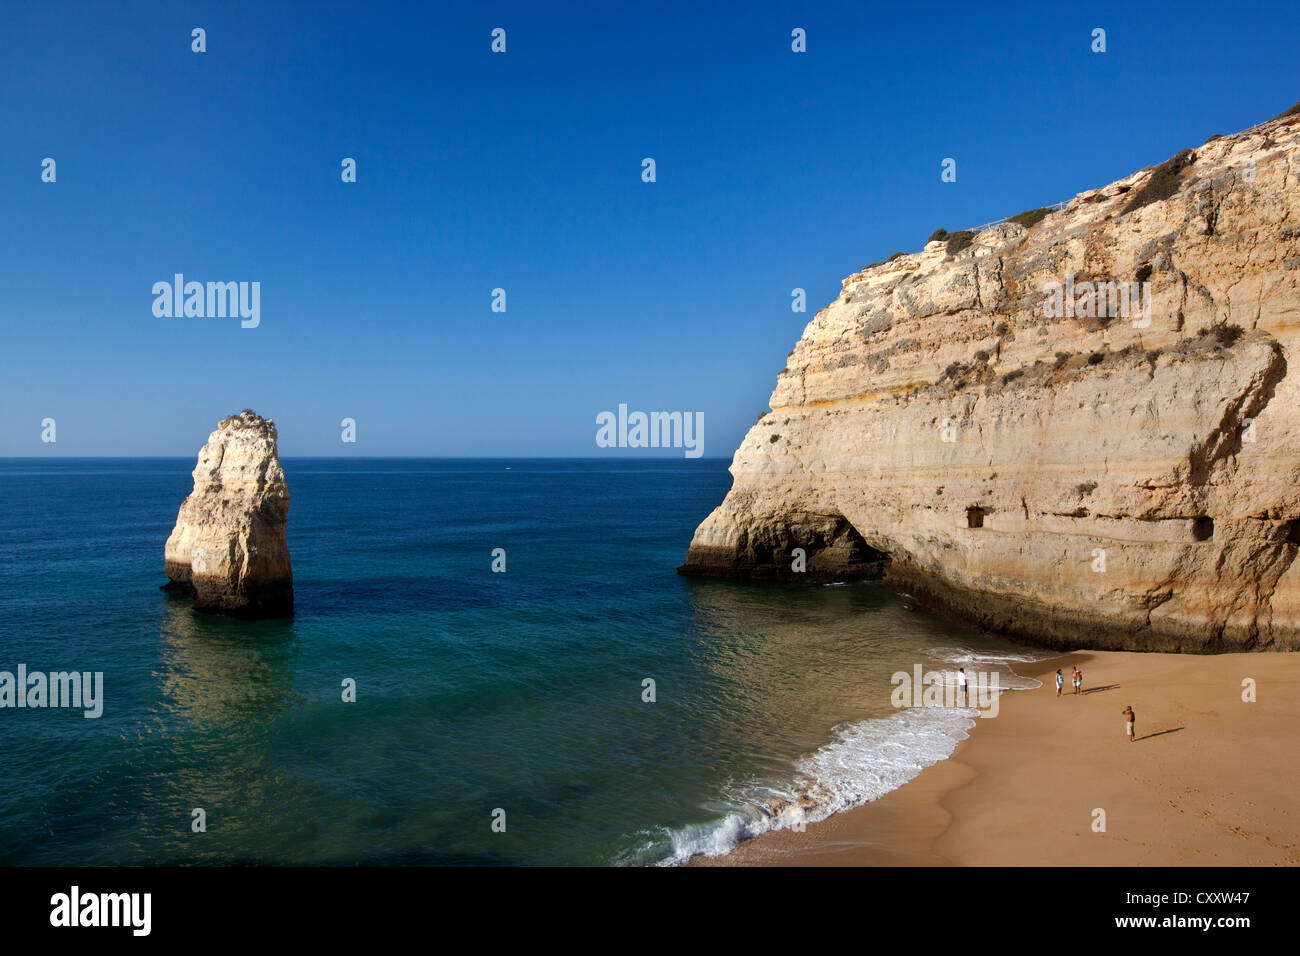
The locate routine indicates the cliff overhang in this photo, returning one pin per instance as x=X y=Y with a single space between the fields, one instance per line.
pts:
x=1037 y=461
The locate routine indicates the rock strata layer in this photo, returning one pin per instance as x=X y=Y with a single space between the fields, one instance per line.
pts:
x=228 y=548
x=1078 y=477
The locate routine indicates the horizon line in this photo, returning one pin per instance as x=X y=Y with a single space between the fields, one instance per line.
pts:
x=375 y=458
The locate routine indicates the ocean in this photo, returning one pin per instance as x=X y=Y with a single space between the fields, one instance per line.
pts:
x=499 y=719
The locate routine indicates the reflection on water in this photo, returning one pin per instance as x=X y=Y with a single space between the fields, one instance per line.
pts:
x=224 y=687
x=216 y=670
x=475 y=690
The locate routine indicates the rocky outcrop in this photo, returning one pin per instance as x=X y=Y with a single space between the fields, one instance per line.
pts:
x=1068 y=475
x=228 y=548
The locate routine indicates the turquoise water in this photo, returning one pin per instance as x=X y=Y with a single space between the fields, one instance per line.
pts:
x=476 y=691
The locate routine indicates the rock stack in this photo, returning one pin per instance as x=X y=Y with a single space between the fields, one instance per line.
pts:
x=228 y=548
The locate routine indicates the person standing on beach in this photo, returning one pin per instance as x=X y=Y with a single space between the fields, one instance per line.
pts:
x=1130 y=719
x=1060 y=682
x=1078 y=681
x=961 y=685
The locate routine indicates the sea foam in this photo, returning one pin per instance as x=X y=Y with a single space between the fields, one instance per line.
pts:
x=864 y=760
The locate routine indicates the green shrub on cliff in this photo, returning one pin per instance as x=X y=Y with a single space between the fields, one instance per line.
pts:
x=882 y=262
x=1164 y=181
x=1291 y=112
x=1030 y=217
x=937 y=236
x=957 y=241
x=1225 y=334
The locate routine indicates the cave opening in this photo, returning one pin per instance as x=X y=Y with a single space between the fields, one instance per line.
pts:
x=854 y=555
x=1293 y=532
x=833 y=550
x=1203 y=528
x=975 y=517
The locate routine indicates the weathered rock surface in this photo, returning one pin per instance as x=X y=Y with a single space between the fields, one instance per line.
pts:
x=1074 y=480
x=228 y=548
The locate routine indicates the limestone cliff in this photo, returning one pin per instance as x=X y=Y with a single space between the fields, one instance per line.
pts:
x=1070 y=476
x=228 y=548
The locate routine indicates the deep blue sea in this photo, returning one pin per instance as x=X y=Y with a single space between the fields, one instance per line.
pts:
x=481 y=696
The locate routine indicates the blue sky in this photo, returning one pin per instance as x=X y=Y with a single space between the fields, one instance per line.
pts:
x=522 y=171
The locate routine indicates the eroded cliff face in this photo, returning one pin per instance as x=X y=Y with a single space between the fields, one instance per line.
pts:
x=228 y=548
x=1075 y=480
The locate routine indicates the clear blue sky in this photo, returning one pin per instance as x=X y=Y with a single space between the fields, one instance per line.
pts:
x=523 y=171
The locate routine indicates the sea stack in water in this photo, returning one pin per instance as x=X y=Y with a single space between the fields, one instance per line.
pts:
x=228 y=548
x=984 y=425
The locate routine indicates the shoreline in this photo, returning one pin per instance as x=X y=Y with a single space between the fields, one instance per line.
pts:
x=1206 y=783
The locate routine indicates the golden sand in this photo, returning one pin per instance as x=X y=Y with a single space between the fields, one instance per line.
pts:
x=1211 y=780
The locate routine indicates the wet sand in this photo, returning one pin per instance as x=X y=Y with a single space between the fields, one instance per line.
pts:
x=1211 y=780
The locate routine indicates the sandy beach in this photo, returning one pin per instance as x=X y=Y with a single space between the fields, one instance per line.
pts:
x=1210 y=781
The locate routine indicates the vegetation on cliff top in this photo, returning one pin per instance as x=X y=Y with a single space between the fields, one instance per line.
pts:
x=957 y=241
x=1164 y=182
x=1030 y=217
x=1226 y=335
x=896 y=255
